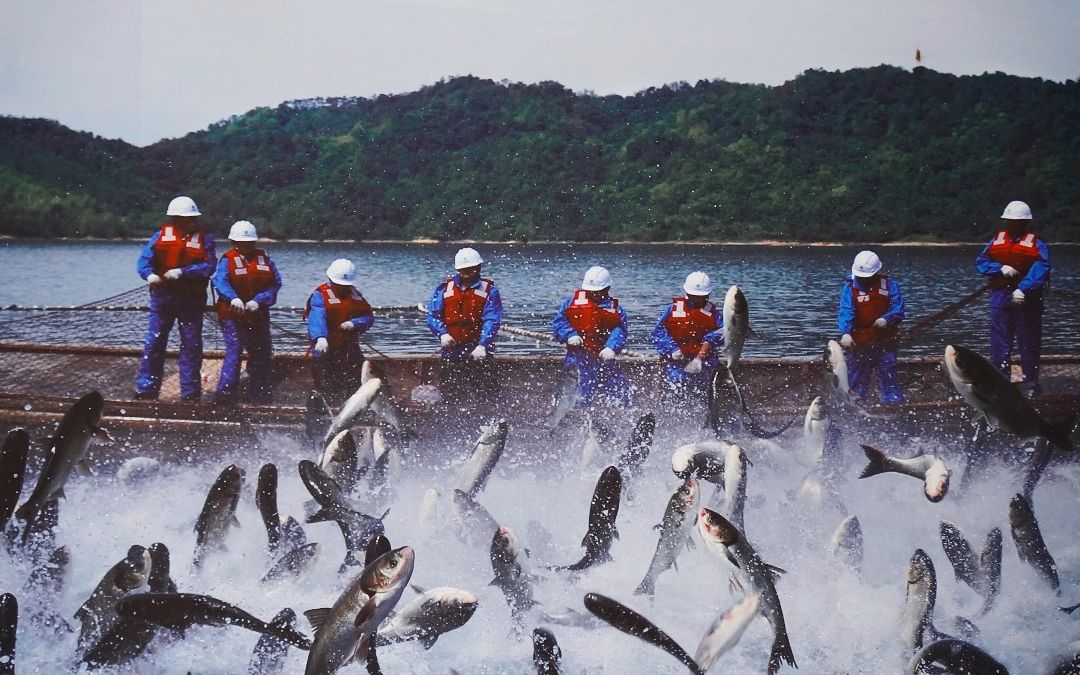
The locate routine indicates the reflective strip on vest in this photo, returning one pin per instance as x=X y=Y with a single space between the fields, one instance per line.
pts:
x=241 y=266
x=1000 y=238
x=679 y=308
x=167 y=234
x=1028 y=241
x=262 y=264
x=194 y=241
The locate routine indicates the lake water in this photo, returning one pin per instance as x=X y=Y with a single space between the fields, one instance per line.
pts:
x=792 y=291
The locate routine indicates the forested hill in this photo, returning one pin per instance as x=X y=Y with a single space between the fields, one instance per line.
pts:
x=870 y=154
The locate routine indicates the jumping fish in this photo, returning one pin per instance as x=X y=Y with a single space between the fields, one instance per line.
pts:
x=930 y=468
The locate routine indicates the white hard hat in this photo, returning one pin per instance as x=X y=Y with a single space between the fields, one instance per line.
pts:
x=342 y=271
x=697 y=283
x=866 y=264
x=1017 y=210
x=243 y=230
x=596 y=279
x=466 y=258
x=183 y=206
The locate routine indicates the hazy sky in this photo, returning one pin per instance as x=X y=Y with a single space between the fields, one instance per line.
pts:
x=144 y=70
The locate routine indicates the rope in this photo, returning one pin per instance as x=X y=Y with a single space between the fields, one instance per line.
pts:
x=923 y=325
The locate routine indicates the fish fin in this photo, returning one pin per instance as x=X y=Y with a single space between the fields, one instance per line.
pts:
x=429 y=640
x=102 y=435
x=734 y=584
x=320 y=516
x=365 y=613
x=495 y=582
x=83 y=469
x=1058 y=433
x=615 y=532
x=417 y=589
x=774 y=572
x=585 y=540
x=528 y=553
x=1069 y=610
x=781 y=651
x=690 y=543
x=317 y=617
x=60 y=494
x=385 y=514
x=235 y=520
x=675 y=565
x=877 y=462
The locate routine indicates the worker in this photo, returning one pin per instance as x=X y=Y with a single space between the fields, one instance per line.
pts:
x=871 y=309
x=177 y=264
x=247 y=284
x=337 y=315
x=464 y=313
x=593 y=326
x=689 y=336
x=1017 y=262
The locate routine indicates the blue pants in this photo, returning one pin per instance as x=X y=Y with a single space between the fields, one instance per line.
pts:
x=863 y=360
x=166 y=309
x=602 y=382
x=1020 y=322
x=252 y=332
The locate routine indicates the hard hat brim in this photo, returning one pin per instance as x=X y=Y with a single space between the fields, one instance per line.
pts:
x=243 y=239
x=697 y=292
x=341 y=282
x=593 y=287
x=1009 y=216
x=478 y=263
x=864 y=275
x=189 y=214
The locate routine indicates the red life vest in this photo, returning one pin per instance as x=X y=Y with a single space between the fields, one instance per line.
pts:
x=338 y=311
x=174 y=250
x=248 y=277
x=591 y=321
x=869 y=307
x=1020 y=254
x=463 y=310
x=688 y=325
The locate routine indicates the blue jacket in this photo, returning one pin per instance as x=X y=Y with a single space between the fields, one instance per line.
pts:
x=664 y=344
x=266 y=298
x=491 y=317
x=562 y=331
x=1036 y=277
x=316 y=320
x=204 y=270
x=845 y=320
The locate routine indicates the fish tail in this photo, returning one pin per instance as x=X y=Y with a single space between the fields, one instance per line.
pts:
x=27 y=513
x=781 y=652
x=646 y=587
x=876 y=463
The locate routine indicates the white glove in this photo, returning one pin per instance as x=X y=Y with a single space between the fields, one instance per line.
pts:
x=347 y=326
x=153 y=280
x=446 y=340
x=847 y=342
x=694 y=367
x=236 y=305
x=251 y=306
x=607 y=353
x=321 y=345
x=573 y=341
x=1008 y=271
x=480 y=353
x=677 y=356
x=1018 y=297
x=174 y=274
x=881 y=323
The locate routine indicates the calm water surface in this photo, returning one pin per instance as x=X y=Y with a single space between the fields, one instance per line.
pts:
x=792 y=291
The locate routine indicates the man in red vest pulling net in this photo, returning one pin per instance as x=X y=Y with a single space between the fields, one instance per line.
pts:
x=689 y=336
x=1018 y=264
x=177 y=263
x=593 y=326
x=247 y=284
x=465 y=312
x=337 y=314
x=871 y=309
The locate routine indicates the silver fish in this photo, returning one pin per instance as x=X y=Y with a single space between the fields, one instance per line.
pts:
x=675 y=529
x=930 y=468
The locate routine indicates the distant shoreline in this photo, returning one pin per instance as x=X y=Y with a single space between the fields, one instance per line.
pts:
x=549 y=242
